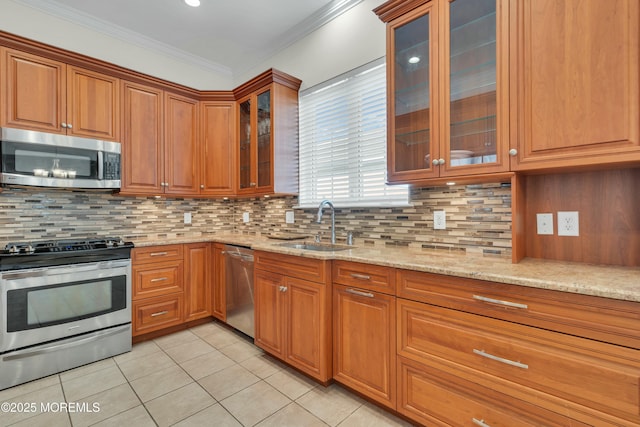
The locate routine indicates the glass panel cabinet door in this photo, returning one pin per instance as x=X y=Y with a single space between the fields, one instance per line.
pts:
x=264 y=139
x=472 y=83
x=245 y=144
x=411 y=95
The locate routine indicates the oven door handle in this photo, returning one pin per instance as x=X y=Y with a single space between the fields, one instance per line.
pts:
x=30 y=352
x=68 y=268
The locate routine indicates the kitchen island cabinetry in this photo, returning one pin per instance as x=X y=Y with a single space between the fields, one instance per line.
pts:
x=267 y=135
x=575 y=65
x=447 y=88
x=364 y=330
x=51 y=96
x=563 y=359
x=293 y=311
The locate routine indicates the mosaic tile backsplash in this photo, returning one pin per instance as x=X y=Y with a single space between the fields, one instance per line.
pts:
x=478 y=218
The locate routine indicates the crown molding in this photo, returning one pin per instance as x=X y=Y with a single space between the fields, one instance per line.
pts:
x=92 y=23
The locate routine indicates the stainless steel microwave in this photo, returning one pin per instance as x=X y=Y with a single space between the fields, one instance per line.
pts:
x=42 y=159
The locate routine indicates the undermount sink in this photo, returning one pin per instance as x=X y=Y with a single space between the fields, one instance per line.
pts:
x=314 y=246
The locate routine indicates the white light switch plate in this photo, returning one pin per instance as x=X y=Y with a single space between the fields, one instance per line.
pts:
x=568 y=224
x=289 y=217
x=545 y=223
x=245 y=217
x=187 y=217
x=439 y=220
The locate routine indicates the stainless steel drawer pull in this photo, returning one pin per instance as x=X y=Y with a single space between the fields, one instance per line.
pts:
x=360 y=276
x=283 y=289
x=500 y=359
x=480 y=423
x=159 y=279
x=360 y=293
x=157 y=254
x=500 y=302
x=160 y=313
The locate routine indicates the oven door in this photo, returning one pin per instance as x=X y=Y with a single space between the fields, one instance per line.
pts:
x=47 y=304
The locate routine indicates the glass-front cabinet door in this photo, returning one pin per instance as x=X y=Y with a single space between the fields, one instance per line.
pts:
x=244 y=140
x=265 y=140
x=447 y=76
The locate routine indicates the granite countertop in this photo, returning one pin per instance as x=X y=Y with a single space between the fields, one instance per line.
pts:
x=605 y=281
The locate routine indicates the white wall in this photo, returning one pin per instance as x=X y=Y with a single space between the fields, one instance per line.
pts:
x=353 y=39
x=33 y=24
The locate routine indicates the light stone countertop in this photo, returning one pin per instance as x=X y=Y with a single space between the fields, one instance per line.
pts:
x=605 y=281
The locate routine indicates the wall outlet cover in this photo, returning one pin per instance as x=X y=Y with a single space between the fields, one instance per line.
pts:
x=439 y=220
x=544 y=222
x=289 y=217
x=187 y=217
x=568 y=224
x=245 y=217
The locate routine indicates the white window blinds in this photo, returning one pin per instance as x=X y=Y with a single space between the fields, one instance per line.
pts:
x=343 y=134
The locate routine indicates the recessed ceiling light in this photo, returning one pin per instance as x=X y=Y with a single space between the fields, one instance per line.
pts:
x=414 y=60
x=192 y=3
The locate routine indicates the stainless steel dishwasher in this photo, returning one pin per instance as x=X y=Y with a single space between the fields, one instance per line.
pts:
x=239 y=288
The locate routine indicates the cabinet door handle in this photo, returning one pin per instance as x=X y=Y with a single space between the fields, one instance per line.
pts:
x=513 y=152
x=252 y=184
x=64 y=125
x=158 y=254
x=500 y=302
x=159 y=279
x=500 y=359
x=283 y=289
x=69 y=126
x=202 y=186
x=159 y=313
x=360 y=293
x=360 y=276
x=480 y=423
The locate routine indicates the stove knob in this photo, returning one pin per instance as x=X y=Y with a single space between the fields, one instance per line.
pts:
x=13 y=250
x=30 y=249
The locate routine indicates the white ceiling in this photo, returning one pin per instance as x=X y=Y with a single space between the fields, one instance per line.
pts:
x=227 y=36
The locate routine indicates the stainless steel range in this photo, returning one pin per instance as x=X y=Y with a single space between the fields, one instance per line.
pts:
x=63 y=304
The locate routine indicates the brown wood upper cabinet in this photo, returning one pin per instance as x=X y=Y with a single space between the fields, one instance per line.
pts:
x=575 y=70
x=267 y=138
x=50 y=96
x=218 y=155
x=447 y=74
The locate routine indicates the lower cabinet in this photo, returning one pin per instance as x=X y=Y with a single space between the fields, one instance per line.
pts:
x=218 y=292
x=152 y=314
x=293 y=314
x=197 y=269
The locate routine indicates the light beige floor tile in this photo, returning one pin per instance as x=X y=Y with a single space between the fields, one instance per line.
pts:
x=292 y=415
x=255 y=403
x=34 y=401
x=206 y=329
x=207 y=364
x=110 y=402
x=79 y=387
x=87 y=369
x=228 y=381
x=142 y=366
x=47 y=419
x=137 y=417
x=175 y=339
x=161 y=382
x=189 y=350
x=222 y=338
x=262 y=365
x=29 y=387
x=214 y=415
x=369 y=415
x=331 y=404
x=138 y=350
x=179 y=404
x=240 y=351
x=291 y=383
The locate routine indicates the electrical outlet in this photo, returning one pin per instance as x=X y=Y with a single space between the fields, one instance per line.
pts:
x=545 y=223
x=568 y=224
x=439 y=220
x=288 y=217
x=187 y=217
x=245 y=217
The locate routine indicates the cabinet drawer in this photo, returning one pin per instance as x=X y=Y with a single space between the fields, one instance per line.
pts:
x=602 y=319
x=156 y=253
x=435 y=398
x=157 y=279
x=156 y=313
x=544 y=363
x=316 y=270
x=365 y=276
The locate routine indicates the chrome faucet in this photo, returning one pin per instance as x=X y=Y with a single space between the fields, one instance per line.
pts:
x=333 y=218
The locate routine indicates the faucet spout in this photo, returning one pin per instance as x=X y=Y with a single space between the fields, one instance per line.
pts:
x=333 y=218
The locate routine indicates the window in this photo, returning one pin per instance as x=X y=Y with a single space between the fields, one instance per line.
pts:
x=343 y=135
